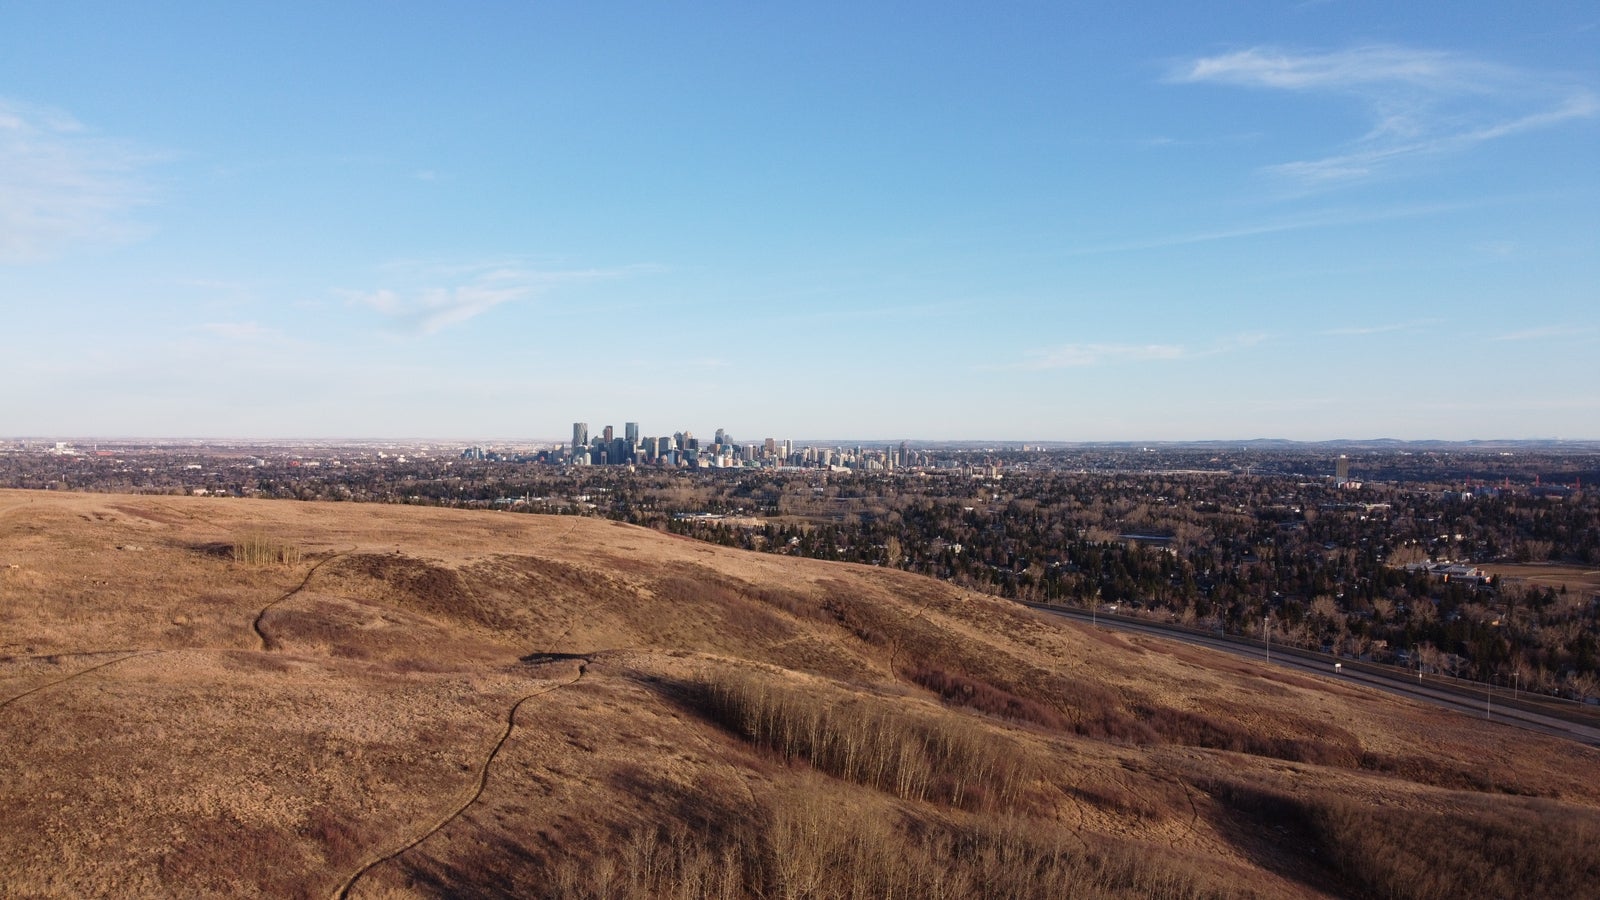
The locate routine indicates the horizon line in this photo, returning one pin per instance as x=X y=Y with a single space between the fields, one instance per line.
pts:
x=835 y=440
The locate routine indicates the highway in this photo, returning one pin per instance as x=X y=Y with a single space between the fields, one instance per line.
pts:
x=1544 y=715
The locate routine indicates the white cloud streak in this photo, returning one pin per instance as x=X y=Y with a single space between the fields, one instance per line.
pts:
x=1546 y=332
x=1363 y=330
x=431 y=299
x=1072 y=356
x=1327 y=218
x=61 y=184
x=1422 y=103
x=1080 y=356
x=248 y=332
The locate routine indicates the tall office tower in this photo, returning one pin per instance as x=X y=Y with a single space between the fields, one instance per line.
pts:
x=770 y=447
x=630 y=432
x=610 y=434
x=722 y=436
x=580 y=435
x=1342 y=470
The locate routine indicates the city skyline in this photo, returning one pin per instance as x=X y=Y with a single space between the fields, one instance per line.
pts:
x=723 y=450
x=1308 y=221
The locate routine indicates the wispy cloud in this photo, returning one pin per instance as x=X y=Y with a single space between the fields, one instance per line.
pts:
x=1360 y=330
x=62 y=184
x=1546 y=332
x=1422 y=103
x=1072 y=356
x=1164 y=141
x=252 y=332
x=1076 y=356
x=428 y=299
x=801 y=314
x=1326 y=218
x=1497 y=249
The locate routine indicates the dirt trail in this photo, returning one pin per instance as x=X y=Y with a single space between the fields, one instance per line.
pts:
x=256 y=625
x=343 y=890
x=10 y=700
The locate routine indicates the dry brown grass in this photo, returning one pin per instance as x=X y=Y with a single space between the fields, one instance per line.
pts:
x=974 y=693
x=1576 y=579
x=809 y=845
x=854 y=732
x=863 y=740
x=1481 y=846
x=260 y=549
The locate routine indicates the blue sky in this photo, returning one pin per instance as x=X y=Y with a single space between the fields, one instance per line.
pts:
x=1019 y=221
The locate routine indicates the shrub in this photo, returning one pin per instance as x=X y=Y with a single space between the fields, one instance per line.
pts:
x=1198 y=730
x=1483 y=846
x=912 y=757
x=1486 y=847
x=260 y=549
x=964 y=690
x=790 y=601
x=808 y=846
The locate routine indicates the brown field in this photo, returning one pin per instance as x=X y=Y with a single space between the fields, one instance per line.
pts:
x=1577 y=579
x=203 y=697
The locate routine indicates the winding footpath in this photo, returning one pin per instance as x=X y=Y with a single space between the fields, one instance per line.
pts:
x=80 y=673
x=343 y=890
x=132 y=653
x=260 y=616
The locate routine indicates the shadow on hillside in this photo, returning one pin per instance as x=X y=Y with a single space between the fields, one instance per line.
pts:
x=534 y=659
x=215 y=549
x=1274 y=831
x=497 y=868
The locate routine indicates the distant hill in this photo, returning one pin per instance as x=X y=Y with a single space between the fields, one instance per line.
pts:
x=204 y=697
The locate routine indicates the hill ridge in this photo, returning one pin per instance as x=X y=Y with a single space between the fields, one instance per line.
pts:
x=734 y=725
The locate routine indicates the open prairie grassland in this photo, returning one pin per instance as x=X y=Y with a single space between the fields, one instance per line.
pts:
x=204 y=697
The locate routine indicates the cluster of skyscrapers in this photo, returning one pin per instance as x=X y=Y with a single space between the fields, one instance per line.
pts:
x=684 y=449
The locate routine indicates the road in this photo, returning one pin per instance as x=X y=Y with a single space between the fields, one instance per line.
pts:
x=1565 y=720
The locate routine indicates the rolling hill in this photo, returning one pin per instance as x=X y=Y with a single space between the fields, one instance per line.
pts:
x=256 y=698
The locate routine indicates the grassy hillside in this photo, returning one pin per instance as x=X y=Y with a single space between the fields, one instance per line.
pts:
x=203 y=696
